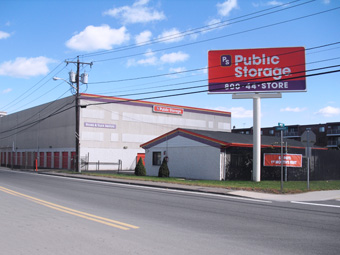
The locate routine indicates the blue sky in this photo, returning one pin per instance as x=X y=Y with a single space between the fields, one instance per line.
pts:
x=141 y=47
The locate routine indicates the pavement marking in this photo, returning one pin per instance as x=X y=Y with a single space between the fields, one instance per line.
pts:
x=306 y=203
x=106 y=221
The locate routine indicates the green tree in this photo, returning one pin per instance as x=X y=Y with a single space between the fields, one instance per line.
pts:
x=140 y=168
x=164 y=170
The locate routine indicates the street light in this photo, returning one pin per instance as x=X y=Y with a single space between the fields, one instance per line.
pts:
x=55 y=78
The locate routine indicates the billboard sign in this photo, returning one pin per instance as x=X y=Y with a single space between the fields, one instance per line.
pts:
x=257 y=70
x=289 y=160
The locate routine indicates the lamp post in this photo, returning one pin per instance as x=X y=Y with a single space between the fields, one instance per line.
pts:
x=76 y=79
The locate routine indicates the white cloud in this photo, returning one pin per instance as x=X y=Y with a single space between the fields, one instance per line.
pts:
x=176 y=72
x=172 y=35
x=237 y=112
x=329 y=111
x=143 y=37
x=149 y=59
x=5 y=91
x=274 y=3
x=137 y=13
x=4 y=35
x=98 y=38
x=213 y=25
x=174 y=57
x=225 y=8
x=25 y=67
x=296 y=109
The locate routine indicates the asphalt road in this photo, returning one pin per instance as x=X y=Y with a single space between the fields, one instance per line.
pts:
x=53 y=215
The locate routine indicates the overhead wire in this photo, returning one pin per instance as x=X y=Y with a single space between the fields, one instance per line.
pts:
x=224 y=36
x=28 y=90
x=195 y=69
x=199 y=29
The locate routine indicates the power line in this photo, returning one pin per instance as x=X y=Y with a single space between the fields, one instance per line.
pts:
x=187 y=88
x=61 y=110
x=27 y=91
x=201 y=29
x=196 y=69
x=18 y=129
x=201 y=91
x=224 y=36
x=188 y=82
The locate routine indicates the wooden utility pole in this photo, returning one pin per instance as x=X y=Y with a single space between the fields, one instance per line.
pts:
x=78 y=63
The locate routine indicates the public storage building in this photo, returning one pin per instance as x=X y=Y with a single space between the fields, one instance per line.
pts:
x=111 y=131
x=201 y=154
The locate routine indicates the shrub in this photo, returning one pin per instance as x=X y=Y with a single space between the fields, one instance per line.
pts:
x=164 y=170
x=140 y=168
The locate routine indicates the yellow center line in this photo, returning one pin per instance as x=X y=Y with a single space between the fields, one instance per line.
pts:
x=106 y=221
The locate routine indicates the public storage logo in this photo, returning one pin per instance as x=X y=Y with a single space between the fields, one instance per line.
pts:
x=226 y=60
x=257 y=70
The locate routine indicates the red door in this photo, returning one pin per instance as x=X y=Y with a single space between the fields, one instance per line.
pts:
x=65 y=160
x=42 y=159
x=56 y=159
x=49 y=159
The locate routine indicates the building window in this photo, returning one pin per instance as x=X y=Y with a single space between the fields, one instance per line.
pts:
x=271 y=132
x=321 y=129
x=156 y=158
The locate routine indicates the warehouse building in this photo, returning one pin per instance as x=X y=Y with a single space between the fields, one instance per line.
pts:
x=111 y=131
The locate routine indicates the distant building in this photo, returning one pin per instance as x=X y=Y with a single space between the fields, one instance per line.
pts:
x=327 y=135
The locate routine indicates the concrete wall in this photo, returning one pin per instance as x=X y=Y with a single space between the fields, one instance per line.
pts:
x=187 y=159
x=46 y=128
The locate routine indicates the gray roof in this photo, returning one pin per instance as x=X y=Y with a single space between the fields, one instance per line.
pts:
x=229 y=137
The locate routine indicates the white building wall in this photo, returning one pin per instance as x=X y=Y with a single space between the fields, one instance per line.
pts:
x=124 y=126
x=187 y=159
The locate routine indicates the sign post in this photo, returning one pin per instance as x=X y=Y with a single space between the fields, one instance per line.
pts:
x=308 y=138
x=281 y=127
x=256 y=74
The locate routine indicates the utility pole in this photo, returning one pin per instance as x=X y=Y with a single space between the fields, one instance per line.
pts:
x=77 y=81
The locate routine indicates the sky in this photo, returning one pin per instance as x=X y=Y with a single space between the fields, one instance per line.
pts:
x=157 y=50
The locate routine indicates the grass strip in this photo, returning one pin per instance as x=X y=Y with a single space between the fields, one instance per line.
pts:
x=289 y=187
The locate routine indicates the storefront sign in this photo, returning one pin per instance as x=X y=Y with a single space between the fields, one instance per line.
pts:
x=167 y=109
x=99 y=125
x=257 y=70
x=289 y=160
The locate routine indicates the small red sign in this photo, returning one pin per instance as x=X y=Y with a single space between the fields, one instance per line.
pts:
x=167 y=109
x=289 y=160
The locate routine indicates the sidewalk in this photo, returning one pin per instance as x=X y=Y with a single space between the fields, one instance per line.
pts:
x=308 y=196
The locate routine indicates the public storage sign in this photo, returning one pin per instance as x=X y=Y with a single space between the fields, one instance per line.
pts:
x=257 y=70
x=289 y=160
x=166 y=109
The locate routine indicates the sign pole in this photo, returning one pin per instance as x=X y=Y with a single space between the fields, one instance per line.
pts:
x=286 y=173
x=308 y=158
x=257 y=139
x=256 y=128
x=281 y=160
